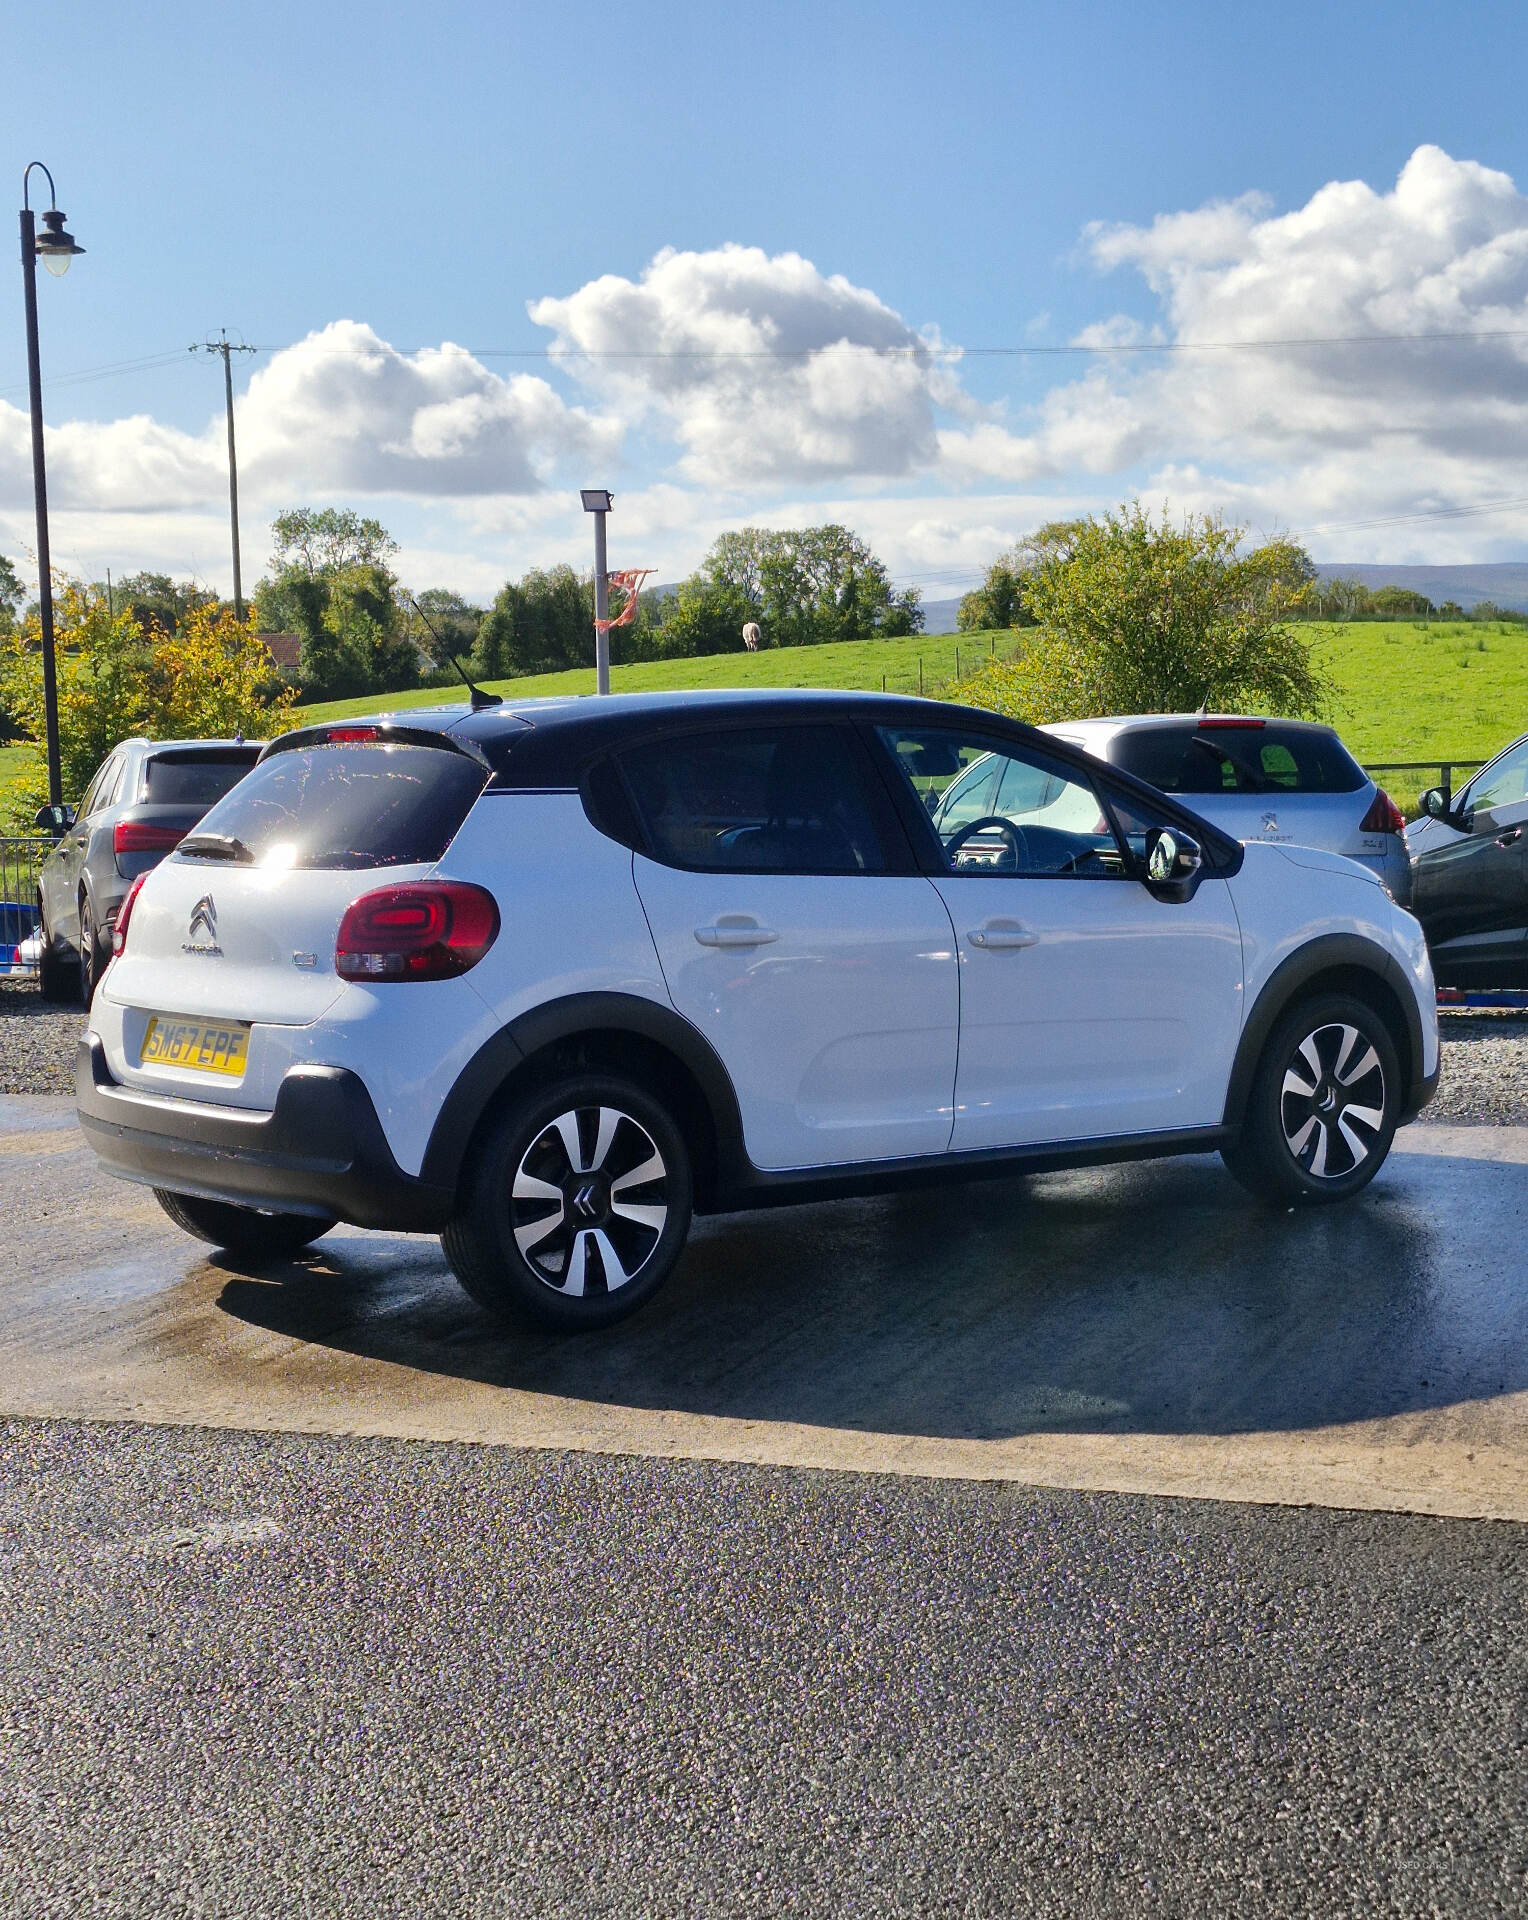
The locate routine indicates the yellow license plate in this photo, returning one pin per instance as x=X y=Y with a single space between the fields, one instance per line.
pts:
x=205 y=1046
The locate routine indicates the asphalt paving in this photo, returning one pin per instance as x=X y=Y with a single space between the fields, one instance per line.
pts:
x=1140 y=1329
x=272 y=1675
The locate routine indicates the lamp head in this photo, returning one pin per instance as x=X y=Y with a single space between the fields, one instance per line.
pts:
x=595 y=499
x=55 y=244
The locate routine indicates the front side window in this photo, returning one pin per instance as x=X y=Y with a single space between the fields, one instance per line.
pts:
x=1502 y=784
x=755 y=800
x=1037 y=815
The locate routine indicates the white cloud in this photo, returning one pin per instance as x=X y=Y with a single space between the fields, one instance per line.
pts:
x=762 y=368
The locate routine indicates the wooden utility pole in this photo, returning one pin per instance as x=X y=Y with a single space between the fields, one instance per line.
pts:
x=225 y=346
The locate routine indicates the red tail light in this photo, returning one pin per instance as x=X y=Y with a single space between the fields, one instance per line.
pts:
x=431 y=930
x=137 y=836
x=1384 y=816
x=124 y=914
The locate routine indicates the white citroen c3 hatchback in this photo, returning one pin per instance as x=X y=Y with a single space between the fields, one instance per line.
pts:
x=545 y=979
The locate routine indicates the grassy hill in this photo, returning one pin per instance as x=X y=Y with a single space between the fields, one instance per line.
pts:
x=1405 y=690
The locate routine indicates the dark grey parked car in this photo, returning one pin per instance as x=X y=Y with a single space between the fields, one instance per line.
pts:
x=145 y=797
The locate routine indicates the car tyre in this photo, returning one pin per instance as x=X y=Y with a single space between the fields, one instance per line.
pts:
x=245 y=1231
x=58 y=980
x=576 y=1203
x=93 y=961
x=1323 y=1106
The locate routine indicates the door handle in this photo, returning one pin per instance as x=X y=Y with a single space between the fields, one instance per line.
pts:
x=735 y=930
x=1510 y=837
x=1003 y=933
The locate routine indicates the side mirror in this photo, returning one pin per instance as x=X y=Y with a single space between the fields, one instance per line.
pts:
x=1435 y=804
x=55 y=820
x=1173 y=861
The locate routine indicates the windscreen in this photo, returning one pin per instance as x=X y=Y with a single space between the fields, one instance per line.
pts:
x=370 y=805
x=1271 y=758
x=195 y=779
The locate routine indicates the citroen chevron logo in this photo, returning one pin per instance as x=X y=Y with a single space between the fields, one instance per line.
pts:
x=585 y=1201
x=204 y=919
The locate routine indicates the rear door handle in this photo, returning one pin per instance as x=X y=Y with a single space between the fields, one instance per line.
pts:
x=1003 y=933
x=1510 y=837
x=735 y=930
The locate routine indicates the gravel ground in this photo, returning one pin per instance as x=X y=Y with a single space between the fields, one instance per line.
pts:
x=1485 y=1058
x=36 y=1041
x=279 y=1675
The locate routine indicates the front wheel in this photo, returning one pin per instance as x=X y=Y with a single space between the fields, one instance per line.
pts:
x=1323 y=1106
x=93 y=957
x=244 y=1231
x=575 y=1206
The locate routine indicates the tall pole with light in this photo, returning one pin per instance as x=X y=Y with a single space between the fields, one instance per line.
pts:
x=597 y=500
x=55 y=248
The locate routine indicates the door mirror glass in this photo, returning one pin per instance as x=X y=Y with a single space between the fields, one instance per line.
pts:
x=1173 y=861
x=53 y=819
x=1435 y=804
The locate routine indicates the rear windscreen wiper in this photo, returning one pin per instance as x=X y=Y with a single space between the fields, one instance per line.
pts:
x=216 y=846
x=1253 y=779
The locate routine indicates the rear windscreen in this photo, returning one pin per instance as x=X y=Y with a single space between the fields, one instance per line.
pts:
x=344 y=806
x=193 y=780
x=1268 y=759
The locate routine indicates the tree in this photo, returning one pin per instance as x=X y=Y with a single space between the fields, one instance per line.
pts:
x=542 y=624
x=447 y=625
x=1141 y=616
x=326 y=540
x=802 y=585
x=115 y=679
x=1399 y=603
x=1002 y=600
x=333 y=587
x=155 y=600
x=10 y=594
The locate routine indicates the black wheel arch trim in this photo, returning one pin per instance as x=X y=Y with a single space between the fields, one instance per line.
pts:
x=1330 y=953
x=582 y=1016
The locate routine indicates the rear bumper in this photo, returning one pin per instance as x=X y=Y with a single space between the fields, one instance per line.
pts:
x=321 y=1151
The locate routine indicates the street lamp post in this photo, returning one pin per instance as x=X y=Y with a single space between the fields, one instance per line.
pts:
x=56 y=249
x=597 y=500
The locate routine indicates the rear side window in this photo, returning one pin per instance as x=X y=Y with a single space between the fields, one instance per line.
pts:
x=369 y=805
x=761 y=800
x=1269 y=758
x=193 y=780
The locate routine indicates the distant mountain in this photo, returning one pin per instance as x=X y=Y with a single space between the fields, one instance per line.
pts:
x=1505 y=582
x=939 y=615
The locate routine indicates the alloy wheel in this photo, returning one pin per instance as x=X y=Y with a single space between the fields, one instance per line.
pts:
x=1332 y=1101
x=589 y=1201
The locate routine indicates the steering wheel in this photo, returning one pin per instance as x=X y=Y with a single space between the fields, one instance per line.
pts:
x=989 y=822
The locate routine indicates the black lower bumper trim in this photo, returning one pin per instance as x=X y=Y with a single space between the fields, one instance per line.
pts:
x=320 y=1151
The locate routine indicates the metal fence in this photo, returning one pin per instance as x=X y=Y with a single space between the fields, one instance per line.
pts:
x=19 y=861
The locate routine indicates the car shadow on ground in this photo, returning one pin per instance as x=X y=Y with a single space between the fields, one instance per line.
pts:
x=1155 y=1299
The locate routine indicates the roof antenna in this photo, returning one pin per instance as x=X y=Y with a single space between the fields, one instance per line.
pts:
x=479 y=696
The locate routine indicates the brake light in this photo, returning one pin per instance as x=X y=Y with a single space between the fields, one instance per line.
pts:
x=1205 y=725
x=1384 y=816
x=124 y=914
x=432 y=930
x=348 y=736
x=137 y=836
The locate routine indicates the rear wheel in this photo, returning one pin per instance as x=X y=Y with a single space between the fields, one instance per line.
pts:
x=575 y=1206
x=1323 y=1106
x=58 y=979
x=92 y=959
x=243 y=1230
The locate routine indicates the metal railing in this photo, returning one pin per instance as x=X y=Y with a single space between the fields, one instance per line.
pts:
x=1445 y=770
x=19 y=862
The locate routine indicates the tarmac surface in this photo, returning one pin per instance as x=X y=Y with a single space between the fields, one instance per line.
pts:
x=1142 y=1329
x=744 y=1607
x=271 y=1675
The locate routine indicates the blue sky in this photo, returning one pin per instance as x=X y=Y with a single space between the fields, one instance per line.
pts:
x=428 y=172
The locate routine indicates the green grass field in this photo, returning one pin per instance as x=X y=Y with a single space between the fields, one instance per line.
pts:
x=1404 y=690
